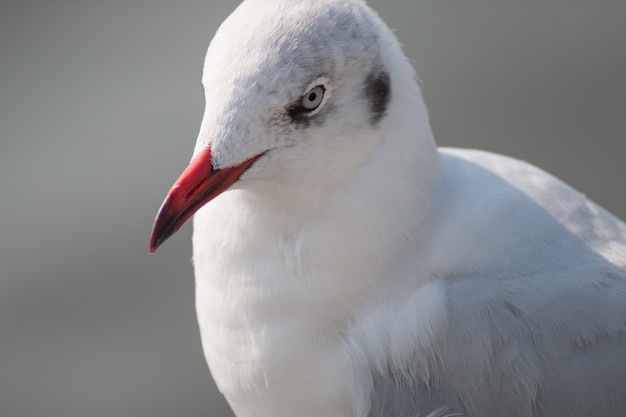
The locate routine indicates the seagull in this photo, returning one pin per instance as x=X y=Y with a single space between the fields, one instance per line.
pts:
x=346 y=266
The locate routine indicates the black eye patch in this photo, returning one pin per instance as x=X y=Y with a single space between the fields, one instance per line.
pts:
x=377 y=91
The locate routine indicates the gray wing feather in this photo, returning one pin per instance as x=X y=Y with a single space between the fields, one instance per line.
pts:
x=395 y=398
x=524 y=349
x=546 y=344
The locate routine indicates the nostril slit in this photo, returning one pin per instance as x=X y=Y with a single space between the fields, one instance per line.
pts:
x=193 y=191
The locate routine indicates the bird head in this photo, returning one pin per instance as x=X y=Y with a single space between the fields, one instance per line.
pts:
x=296 y=92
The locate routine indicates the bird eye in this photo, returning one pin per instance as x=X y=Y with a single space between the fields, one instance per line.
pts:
x=313 y=98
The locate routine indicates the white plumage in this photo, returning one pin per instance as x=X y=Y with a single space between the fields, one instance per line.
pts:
x=355 y=269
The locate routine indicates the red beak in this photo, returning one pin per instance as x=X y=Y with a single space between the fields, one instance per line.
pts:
x=196 y=186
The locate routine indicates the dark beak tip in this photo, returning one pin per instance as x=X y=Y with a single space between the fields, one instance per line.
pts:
x=160 y=233
x=161 y=229
x=156 y=239
x=154 y=243
x=152 y=248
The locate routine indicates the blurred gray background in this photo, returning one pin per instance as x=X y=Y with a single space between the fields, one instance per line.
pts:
x=100 y=102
